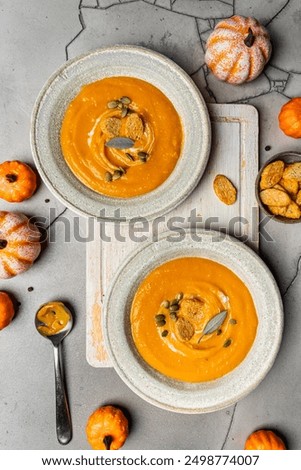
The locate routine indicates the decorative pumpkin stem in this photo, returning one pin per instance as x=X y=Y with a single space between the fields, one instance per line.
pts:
x=3 y=244
x=11 y=178
x=107 y=442
x=249 y=41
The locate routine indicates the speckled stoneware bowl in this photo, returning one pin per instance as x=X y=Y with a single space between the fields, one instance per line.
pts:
x=286 y=157
x=131 y=61
x=180 y=396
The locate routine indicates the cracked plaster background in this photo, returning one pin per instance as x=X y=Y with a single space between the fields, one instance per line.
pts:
x=36 y=37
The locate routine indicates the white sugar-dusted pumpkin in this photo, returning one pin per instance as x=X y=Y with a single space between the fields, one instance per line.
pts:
x=238 y=49
x=19 y=244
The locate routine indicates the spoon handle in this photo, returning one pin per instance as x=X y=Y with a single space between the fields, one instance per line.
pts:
x=63 y=418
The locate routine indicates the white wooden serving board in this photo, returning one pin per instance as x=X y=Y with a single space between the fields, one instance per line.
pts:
x=235 y=154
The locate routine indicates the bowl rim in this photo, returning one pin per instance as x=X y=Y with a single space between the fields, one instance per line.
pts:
x=169 y=204
x=279 y=156
x=226 y=402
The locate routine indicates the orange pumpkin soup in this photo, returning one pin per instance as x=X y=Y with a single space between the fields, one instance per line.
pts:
x=172 y=319
x=121 y=137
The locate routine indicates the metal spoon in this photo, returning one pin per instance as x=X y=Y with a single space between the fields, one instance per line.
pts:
x=63 y=418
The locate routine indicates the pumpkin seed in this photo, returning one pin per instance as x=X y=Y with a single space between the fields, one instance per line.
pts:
x=174 y=302
x=174 y=316
x=160 y=317
x=125 y=100
x=112 y=104
x=219 y=332
x=174 y=308
x=142 y=154
x=161 y=323
x=124 y=111
x=123 y=170
x=233 y=321
x=227 y=343
x=165 y=304
x=119 y=105
x=130 y=157
x=179 y=296
x=117 y=174
x=108 y=177
x=164 y=333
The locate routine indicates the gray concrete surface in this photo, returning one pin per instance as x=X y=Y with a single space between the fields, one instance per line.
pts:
x=38 y=36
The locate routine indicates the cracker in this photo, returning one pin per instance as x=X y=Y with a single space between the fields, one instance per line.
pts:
x=277 y=210
x=224 y=190
x=134 y=127
x=192 y=310
x=111 y=126
x=185 y=329
x=290 y=185
x=274 y=197
x=293 y=171
x=293 y=211
x=271 y=174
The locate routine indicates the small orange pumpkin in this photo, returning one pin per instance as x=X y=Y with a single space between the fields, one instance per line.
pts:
x=238 y=49
x=107 y=428
x=19 y=244
x=17 y=181
x=290 y=118
x=7 y=310
x=264 y=439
